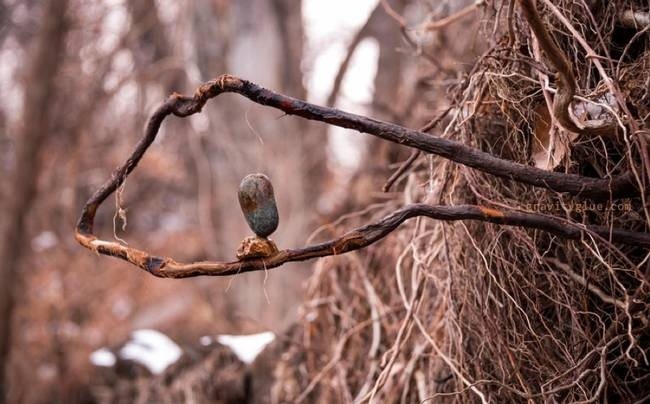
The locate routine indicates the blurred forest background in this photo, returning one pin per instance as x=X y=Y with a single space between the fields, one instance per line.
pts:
x=78 y=81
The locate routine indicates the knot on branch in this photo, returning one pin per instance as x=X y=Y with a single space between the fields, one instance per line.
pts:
x=256 y=247
x=183 y=106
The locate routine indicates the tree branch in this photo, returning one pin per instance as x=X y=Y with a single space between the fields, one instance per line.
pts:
x=183 y=106
x=357 y=239
x=567 y=83
x=622 y=185
x=443 y=22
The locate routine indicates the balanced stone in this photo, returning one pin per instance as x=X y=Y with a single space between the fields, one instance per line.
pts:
x=257 y=202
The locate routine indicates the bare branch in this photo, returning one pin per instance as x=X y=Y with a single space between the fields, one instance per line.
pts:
x=567 y=83
x=570 y=183
x=401 y=170
x=357 y=239
x=443 y=22
x=183 y=106
x=414 y=156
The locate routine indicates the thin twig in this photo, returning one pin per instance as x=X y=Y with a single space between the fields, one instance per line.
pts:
x=414 y=156
x=443 y=22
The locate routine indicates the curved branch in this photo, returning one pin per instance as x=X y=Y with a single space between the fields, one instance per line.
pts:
x=357 y=239
x=401 y=170
x=622 y=185
x=183 y=106
x=567 y=83
x=443 y=22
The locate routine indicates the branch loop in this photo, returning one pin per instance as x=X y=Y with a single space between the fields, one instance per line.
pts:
x=361 y=237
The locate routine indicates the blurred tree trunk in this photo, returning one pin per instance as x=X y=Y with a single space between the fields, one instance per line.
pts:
x=151 y=43
x=379 y=154
x=265 y=45
x=4 y=20
x=211 y=39
x=39 y=92
x=288 y=14
x=390 y=66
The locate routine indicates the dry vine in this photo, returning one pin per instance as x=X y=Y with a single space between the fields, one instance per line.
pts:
x=364 y=236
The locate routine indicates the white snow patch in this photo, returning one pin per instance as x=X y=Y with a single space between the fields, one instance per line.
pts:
x=102 y=357
x=247 y=347
x=152 y=349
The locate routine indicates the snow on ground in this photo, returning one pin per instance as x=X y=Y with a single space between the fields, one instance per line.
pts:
x=152 y=349
x=102 y=357
x=157 y=351
x=246 y=347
